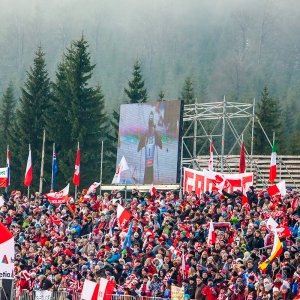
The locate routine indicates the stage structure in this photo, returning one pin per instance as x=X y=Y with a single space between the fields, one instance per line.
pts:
x=196 y=116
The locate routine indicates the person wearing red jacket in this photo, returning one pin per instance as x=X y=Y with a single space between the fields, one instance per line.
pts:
x=210 y=292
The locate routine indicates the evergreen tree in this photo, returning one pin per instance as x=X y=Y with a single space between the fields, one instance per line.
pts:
x=269 y=115
x=161 y=96
x=77 y=115
x=30 y=123
x=136 y=91
x=187 y=93
x=7 y=116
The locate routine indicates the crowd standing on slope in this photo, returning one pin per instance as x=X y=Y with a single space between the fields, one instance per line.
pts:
x=58 y=247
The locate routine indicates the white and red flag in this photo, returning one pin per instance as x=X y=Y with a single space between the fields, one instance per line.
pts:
x=282 y=231
x=97 y=291
x=211 y=157
x=123 y=166
x=273 y=170
x=277 y=189
x=59 y=197
x=76 y=177
x=152 y=191
x=28 y=173
x=123 y=216
x=211 y=234
x=93 y=186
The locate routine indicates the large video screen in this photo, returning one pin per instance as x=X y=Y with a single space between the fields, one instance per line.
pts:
x=149 y=139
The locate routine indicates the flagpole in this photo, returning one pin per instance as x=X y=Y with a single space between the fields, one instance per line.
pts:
x=52 y=166
x=7 y=166
x=101 y=165
x=42 y=163
x=28 y=189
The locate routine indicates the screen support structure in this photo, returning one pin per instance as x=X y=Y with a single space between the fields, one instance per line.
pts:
x=197 y=116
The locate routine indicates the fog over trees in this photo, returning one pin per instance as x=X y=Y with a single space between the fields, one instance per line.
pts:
x=223 y=47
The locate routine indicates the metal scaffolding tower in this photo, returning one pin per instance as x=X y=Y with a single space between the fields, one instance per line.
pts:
x=223 y=113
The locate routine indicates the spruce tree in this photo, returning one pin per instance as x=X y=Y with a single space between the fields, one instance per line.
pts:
x=30 y=123
x=161 y=96
x=269 y=115
x=77 y=115
x=7 y=116
x=187 y=93
x=136 y=91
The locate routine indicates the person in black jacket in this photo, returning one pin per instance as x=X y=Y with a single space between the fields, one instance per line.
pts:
x=191 y=289
x=251 y=195
x=45 y=284
x=86 y=228
x=257 y=241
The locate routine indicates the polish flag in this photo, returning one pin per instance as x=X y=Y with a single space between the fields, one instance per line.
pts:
x=59 y=197
x=28 y=174
x=211 y=157
x=211 y=234
x=242 y=167
x=277 y=189
x=273 y=164
x=97 y=291
x=93 y=186
x=282 y=231
x=76 y=178
x=123 y=216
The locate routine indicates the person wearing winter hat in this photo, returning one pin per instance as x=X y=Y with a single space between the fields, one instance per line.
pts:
x=251 y=292
x=286 y=293
x=276 y=293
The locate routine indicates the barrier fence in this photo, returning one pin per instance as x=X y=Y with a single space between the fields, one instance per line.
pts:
x=32 y=295
x=62 y=296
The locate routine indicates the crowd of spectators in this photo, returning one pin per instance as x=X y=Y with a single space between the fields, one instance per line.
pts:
x=58 y=247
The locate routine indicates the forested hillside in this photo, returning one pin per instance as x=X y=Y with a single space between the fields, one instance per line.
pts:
x=222 y=47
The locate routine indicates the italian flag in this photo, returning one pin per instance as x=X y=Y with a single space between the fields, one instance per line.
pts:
x=273 y=164
x=276 y=251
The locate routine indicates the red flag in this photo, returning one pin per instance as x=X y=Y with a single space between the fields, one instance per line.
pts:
x=76 y=178
x=123 y=216
x=59 y=197
x=242 y=168
x=152 y=191
x=211 y=235
x=28 y=174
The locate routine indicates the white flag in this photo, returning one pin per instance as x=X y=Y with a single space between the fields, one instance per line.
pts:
x=121 y=167
x=93 y=186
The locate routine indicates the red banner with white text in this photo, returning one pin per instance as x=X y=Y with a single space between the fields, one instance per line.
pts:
x=196 y=181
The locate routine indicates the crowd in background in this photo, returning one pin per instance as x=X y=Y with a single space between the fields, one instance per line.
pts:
x=58 y=247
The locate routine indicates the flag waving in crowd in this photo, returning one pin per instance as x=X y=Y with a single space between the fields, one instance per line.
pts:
x=28 y=173
x=123 y=166
x=273 y=171
x=76 y=177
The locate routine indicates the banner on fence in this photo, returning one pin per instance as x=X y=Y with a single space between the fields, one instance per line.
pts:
x=177 y=293
x=43 y=295
x=196 y=181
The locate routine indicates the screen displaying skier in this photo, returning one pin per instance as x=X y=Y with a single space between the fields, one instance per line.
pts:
x=149 y=140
